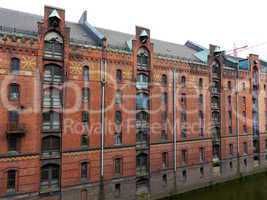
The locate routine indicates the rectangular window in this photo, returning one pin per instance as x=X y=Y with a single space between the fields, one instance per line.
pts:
x=183 y=133
x=230 y=117
x=117 y=190
x=231 y=149
x=245 y=145
x=184 y=156
x=184 y=174
x=230 y=130
x=117 y=167
x=85 y=116
x=165 y=160
x=118 y=139
x=11 y=180
x=14 y=92
x=85 y=94
x=84 y=170
x=202 y=154
x=13 y=144
x=13 y=116
x=183 y=116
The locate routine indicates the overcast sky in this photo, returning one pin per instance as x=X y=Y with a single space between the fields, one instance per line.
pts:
x=224 y=23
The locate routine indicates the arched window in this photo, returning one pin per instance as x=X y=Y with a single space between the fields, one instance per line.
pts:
x=15 y=65
x=13 y=92
x=142 y=101
x=142 y=81
x=86 y=73
x=118 y=76
x=51 y=144
x=200 y=83
x=118 y=117
x=143 y=58
x=51 y=121
x=53 y=74
x=11 y=180
x=183 y=81
x=164 y=79
x=118 y=97
x=52 y=98
x=216 y=69
x=50 y=176
x=53 y=46
x=183 y=100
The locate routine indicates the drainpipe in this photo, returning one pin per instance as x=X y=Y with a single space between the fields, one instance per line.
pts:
x=174 y=127
x=103 y=65
x=237 y=121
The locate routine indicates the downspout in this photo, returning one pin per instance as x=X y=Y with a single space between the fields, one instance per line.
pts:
x=174 y=127
x=237 y=121
x=103 y=64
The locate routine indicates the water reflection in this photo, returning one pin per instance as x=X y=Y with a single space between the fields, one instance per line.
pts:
x=247 y=188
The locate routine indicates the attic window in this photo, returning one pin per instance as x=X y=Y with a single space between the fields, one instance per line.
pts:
x=53 y=45
x=143 y=58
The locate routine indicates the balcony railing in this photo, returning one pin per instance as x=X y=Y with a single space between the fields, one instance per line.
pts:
x=15 y=128
x=52 y=103
x=51 y=127
x=142 y=144
x=215 y=106
x=53 y=51
x=142 y=124
x=142 y=171
x=52 y=186
x=51 y=154
x=215 y=90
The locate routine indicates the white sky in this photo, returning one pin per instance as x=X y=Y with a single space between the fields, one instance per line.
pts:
x=224 y=23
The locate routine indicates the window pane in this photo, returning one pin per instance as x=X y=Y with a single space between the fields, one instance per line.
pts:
x=11 y=179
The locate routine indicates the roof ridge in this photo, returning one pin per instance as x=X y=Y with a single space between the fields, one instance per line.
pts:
x=22 y=12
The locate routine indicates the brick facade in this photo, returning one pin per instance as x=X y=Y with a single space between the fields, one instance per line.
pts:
x=155 y=165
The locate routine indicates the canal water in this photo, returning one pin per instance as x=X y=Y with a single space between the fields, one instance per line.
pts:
x=247 y=188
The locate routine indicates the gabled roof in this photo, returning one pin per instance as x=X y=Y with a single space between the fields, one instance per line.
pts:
x=28 y=23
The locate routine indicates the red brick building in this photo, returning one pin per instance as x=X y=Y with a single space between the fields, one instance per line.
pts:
x=90 y=113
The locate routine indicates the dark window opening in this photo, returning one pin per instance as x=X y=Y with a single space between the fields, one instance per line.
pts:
x=14 y=92
x=53 y=74
x=118 y=75
x=15 y=65
x=11 y=181
x=143 y=58
x=84 y=170
x=86 y=73
x=118 y=166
